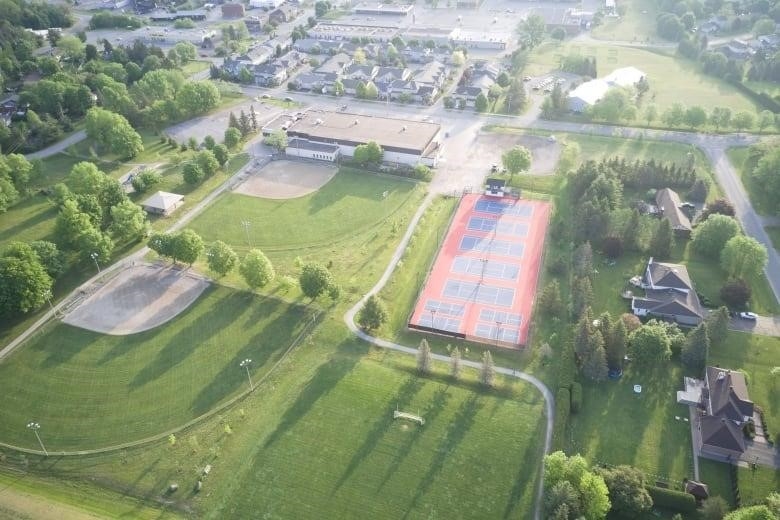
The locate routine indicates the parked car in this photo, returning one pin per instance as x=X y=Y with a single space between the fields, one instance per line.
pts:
x=748 y=316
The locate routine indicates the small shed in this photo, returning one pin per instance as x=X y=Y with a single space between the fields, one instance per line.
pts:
x=495 y=187
x=163 y=203
x=699 y=490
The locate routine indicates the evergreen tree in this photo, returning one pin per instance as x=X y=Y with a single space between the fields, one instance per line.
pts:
x=584 y=331
x=455 y=366
x=718 y=325
x=631 y=232
x=583 y=260
x=253 y=118
x=244 y=125
x=424 y=360
x=233 y=122
x=550 y=301
x=696 y=348
x=616 y=344
x=595 y=365
x=582 y=296
x=487 y=375
x=663 y=240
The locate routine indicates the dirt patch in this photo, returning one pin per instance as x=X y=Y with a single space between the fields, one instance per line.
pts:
x=139 y=298
x=216 y=123
x=286 y=179
x=545 y=152
x=22 y=506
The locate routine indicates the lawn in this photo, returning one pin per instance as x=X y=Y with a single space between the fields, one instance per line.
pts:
x=90 y=390
x=476 y=456
x=690 y=88
x=344 y=224
x=638 y=23
x=618 y=426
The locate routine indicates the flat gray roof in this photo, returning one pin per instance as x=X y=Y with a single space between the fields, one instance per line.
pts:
x=354 y=129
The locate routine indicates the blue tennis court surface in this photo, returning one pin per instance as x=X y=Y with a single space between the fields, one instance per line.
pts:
x=507 y=318
x=445 y=309
x=490 y=225
x=494 y=332
x=485 y=268
x=470 y=291
x=496 y=207
x=493 y=247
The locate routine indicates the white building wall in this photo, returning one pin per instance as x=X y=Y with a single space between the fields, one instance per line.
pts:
x=267 y=4
x=311 y=154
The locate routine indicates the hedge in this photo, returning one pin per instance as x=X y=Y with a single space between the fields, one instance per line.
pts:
x=677 y=501
x=576 y=397
x=562 y=410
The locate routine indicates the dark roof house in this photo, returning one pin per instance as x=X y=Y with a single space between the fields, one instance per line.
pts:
x=669 y=294
x=728 y=407
x=670 y=206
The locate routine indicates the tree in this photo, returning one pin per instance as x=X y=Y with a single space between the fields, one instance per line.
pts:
x=145 y=179
x=221 y=258
x=695 y=117
x=711 y=236
x=743 y=257
x=696 y=349
x=338 y=88
x=321 y=7
x=550 y=301
x=85 y=178
x=232 y=138
x=718 y=325
x=186 y=51
x=314 y=280
x=359 y=56
x=742 y=120
x=720 y=117
x=719 y=206
x=162 y=244
x=582 y=261
x=735 y=293
x=582 y=295
x=370 y=152
x=674 y=115
x=481 y=102
x=373 y=314
x=457 y=58
x=196 y=97
x=209 y=142
x=700 y=188
x=276 y=139
x=49 y=256
x=424 y=360
x=113 y=131
x=71 y=222
x=651 y=113
x=751 y=513
x=594 y=365
x=72 y=48
x=256 y=269
x=95 y=245
x=24 y=283
x=765 y=119
x=455 y=365
x=714 y=508
x=221 y=154
x=592 y=491
x=531 y=31
x=662 y=242
x=487 y=373
x=763 y=26
x=627 y=491
x=612 y=246
x=562 y=501
x=615 y=344
x=128 y=221
x=207 y=162
x=516 y=160
x=650 y=345
x=186 y=246
x=192 y=173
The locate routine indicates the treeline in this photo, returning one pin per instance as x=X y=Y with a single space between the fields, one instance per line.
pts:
x=36 y=15
x=107 y=20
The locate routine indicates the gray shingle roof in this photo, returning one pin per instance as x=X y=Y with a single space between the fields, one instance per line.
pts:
x=669 y=202
x=728 y=394
x=669 y=275
x=722 y=433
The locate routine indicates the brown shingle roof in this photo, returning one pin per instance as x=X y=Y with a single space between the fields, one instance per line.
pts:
x=728 y=394
x=669 y=202
x=721 y=433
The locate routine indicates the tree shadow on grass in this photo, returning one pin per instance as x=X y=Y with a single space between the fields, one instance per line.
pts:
x=195 y=334
x=456 y=432
x=528 y=470
x=64 y=342
x=32 y=220
x=434 y=408
x=327 y=376
x=403 y=396
x=263 y=349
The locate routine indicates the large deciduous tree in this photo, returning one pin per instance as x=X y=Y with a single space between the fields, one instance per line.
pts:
x=114 y=132
x=743 y=257
x=532 y=30
x=186 y=246
x=221 y=258
x=592 y=493
x=711 y=236
x=196 y=97
x=650 y=345
x=256 y=269
x=314 y=279
x=627 y=491
x=516 y=160
x=128 y=221
x=24 y=282
x=696 y=348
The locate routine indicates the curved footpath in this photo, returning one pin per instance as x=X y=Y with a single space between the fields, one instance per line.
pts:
x=349 y=319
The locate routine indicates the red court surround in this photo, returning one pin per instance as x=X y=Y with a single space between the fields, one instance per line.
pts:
x=482 y=284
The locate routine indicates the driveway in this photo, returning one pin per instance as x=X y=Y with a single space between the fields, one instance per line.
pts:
x=58 y=146
x=764 y=325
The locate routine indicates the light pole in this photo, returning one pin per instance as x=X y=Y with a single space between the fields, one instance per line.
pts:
x=34 y=426
x=245 y=364
x=48 y=295
x=498 y=331
x=246 y=224
x=433 y=318
x=94 y=257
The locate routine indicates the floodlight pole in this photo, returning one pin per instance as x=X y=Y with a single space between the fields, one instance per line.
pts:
x=245 y=364
x=34 y=426
x=433 y=318
x=498 y=331
x=94 y=257
x=246 y=224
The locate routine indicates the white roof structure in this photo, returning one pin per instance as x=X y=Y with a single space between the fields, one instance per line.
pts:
x=163 y=201
x=590 y=91
x=624 y=77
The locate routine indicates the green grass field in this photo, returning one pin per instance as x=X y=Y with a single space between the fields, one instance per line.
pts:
x=638 y=24
x=739 y=158
x=90 y=390
x=345 y=223
x=690 y=88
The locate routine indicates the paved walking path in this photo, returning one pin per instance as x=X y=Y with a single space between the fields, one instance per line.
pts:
x=58 y=146
x=349 y=319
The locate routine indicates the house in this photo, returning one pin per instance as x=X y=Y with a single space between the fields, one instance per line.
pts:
x=670 y=207
x=233 y=64
x=405 y=91
x=736 y=50
x=386 y=75
x=283 y=14
x=265 y=4
x=290 y=61
x=479 y=39
x=269 y=74
x=727 y=407
x=162 y=203
x=591 y=92
x=308 y=81
x=351 y=86
x=232 y=10
x=714 y=25
x=306 y=149
x=361 y=72
x=669 y=294
x=417 y=54
x=312 y=46
x=335 y=65
x=467 y=96
x=432 y=74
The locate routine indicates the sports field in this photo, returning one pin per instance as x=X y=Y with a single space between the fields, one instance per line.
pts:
x=483 y=282
x=89 y=390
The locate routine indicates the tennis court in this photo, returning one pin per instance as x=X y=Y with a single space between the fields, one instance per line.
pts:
x=482 y=285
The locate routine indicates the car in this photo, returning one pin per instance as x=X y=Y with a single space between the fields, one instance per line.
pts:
x=343 y=108
x=752 y=316
x=265 y=96
x=687 y=205
x=289 y=100
x=527 y=78
x=494 y=168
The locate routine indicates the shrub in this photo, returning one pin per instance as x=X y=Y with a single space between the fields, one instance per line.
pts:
x=576 y=397
x=735 y=293
x=562 y=410
x=677 y=501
